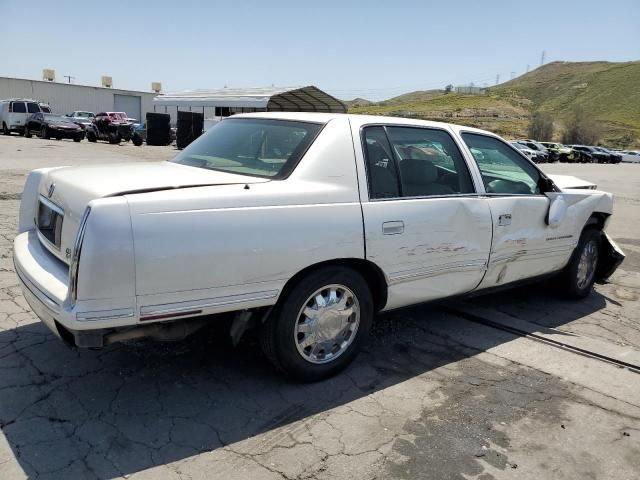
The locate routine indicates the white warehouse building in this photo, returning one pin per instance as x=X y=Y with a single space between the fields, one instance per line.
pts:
x=223 y=102
x=65 y=98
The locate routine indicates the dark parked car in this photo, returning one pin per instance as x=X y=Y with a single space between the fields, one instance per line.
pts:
x=613 y=156
x=48 y=125
x=590 y=154
x=542 y=154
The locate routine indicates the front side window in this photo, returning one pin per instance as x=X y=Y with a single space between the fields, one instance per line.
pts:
x=251 y=146
x=414 y=162
x=33 y=107
x=18 y=107
x=503 y=170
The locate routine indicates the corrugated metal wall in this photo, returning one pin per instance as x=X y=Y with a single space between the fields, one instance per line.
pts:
x=65 y=98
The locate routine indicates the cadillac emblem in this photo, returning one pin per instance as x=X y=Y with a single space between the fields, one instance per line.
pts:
x=52 y=187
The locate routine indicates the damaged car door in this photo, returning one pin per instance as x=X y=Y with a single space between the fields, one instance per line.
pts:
x=525 y=243
x=425 y=224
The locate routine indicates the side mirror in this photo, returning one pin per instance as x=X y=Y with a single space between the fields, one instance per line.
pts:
x=557 y=209
x=546 y=185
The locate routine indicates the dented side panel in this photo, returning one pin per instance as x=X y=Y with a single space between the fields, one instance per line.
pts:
x=528 y=247
x=428 y=248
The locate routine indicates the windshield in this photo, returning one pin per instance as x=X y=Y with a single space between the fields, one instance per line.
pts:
x=251 y=146
x=56 y=118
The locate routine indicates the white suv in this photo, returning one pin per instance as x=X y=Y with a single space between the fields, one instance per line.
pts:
x=14 y=113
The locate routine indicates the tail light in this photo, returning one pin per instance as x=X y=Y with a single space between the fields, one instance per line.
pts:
x=75 y=258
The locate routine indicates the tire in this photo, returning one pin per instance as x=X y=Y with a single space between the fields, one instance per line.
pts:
x=27 y=133
x=114 y=138
x=575 y=281
x=136 y=139
x=77 y=139
x=5 y=129
x=44 y=133
x=282 y=337
x=91 y=136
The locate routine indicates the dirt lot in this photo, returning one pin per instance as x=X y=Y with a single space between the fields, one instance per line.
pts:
x=439 y=393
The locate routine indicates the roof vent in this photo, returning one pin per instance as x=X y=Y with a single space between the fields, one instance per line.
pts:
x=107 y=81
x=48 y=74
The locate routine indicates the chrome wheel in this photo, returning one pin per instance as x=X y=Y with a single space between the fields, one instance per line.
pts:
x=587 y=264
x=327 y=324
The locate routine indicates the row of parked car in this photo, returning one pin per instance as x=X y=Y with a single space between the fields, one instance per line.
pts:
x=543 y=152
x=29 y=118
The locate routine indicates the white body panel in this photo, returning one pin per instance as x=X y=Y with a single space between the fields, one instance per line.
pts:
x=423 y=254
x=172 y=239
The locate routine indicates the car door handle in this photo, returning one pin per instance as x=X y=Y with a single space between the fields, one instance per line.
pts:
x=393 y=228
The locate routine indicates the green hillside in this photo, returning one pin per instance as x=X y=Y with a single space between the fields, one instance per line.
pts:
x=609 y=92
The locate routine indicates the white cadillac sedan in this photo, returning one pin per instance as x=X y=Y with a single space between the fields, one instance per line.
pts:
x=305 y=225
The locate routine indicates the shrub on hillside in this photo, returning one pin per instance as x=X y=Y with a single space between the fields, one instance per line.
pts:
x=540 y=127
x=581 y=129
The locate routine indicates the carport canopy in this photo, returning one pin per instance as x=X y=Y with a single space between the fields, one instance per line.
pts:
x=277 y=99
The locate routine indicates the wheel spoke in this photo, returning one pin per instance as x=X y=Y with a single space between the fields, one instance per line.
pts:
x=320 y=301
x=315 y=350
x=310 y=312
x=305 y=327
x=347 y=312
x=343 y=300
x=333 y=297
x=306 y=341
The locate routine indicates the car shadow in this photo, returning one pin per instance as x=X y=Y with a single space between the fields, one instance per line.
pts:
x=130 y=407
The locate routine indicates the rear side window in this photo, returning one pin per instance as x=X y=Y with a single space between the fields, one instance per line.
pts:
x=33 y=107
x=18 y=107
x=429 y=162
x=414 y=162
x=381 y=167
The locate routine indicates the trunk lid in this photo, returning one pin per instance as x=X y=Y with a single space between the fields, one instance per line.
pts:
x=70 y=189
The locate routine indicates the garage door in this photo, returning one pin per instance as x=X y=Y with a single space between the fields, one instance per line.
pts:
x=129 y=104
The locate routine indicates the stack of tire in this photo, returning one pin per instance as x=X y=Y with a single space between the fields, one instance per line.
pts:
x=189 y=128
x=158 y=129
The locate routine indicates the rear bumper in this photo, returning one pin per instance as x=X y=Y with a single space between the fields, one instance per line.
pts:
x=45 y=281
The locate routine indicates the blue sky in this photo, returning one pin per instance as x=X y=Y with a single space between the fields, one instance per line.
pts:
x=370 y=49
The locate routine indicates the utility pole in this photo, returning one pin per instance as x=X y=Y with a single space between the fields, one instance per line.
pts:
x=527 y=68
x=69 y=77
x=542 y=57
x=513 y=75
x=497 y=79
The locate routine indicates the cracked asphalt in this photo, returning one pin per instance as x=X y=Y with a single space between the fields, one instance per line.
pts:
x=433 y=396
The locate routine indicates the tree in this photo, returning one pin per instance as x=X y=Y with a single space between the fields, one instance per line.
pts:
x=448 y=88
x=581 y=129
x=541 y=127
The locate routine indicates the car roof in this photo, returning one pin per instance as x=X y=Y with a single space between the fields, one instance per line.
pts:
x=359 y=120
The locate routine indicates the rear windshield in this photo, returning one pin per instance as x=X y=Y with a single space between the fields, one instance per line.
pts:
x=249 y=146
